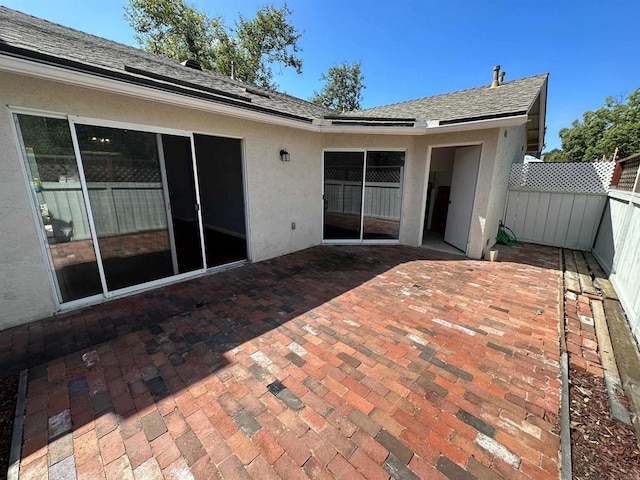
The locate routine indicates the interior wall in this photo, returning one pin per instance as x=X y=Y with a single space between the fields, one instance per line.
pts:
x=439 y=174
x=178 y=165
x=219 y=162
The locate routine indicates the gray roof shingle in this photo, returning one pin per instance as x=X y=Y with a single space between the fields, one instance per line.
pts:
x=40 y=40
x=511 y=98
x=32 y=36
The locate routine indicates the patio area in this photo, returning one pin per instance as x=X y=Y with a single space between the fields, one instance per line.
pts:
x=353 y=362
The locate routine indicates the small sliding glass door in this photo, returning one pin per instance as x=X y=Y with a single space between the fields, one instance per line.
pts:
x=362 y=195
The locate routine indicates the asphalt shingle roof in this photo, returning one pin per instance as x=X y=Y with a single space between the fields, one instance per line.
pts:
x=27 y=34
x=31 y=37
x=511 y=98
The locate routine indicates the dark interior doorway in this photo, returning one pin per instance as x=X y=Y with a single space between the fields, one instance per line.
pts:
x=220 y=178
x=182 y=195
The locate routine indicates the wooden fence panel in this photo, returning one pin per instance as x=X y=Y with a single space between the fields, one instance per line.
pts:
x=557 y=204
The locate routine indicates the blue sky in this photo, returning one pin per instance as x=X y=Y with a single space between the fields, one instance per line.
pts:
x=416 y=48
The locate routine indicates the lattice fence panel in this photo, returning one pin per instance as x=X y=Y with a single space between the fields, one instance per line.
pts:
x=581 y=177
x=628 y=176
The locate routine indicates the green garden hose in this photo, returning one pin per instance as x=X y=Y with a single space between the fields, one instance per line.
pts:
x=506 y=236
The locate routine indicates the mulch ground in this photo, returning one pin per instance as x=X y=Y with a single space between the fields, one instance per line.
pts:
x=601 y=448
x=8 y=396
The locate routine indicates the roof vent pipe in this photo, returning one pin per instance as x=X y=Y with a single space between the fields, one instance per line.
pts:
x=501 y=78
x=496 y=74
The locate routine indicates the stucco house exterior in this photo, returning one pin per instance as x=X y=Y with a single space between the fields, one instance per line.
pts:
x=121 y=170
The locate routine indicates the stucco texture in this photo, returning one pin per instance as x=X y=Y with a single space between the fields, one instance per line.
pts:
x=277 y=193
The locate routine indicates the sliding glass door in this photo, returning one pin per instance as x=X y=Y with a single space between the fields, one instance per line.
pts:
x=357 y=210
x=120 y=208
x=125 y=188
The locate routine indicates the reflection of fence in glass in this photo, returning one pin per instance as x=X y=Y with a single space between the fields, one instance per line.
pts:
x=122 y=208
x=383 y=191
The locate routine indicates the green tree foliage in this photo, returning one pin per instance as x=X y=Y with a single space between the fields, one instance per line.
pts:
x=555 y=155
x=246 y=52
x=342 y=89
x=615 y=125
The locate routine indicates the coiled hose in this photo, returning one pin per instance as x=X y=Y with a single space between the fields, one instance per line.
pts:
x=506 y=236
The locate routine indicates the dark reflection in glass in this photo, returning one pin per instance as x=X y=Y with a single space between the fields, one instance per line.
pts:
x=383 y=195
x=52 y=167
x=342 y=195
x=124 y=182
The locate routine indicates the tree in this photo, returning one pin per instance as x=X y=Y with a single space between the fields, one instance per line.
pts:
x=615 y=125
x=555 y=155
x=246 y=52
x=342 y=89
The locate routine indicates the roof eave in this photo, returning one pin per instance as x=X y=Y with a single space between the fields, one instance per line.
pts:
x=58 y=74
x=55 y=73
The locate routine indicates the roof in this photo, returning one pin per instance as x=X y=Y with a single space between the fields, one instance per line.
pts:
x=30 y=37
x=33 y=39
x=511 y=98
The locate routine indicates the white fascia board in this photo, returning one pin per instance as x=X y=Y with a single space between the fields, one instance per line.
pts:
x=62 y=75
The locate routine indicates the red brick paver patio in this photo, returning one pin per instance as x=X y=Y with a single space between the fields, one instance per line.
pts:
x=335 y=362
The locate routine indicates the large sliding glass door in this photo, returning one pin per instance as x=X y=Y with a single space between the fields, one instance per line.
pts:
x=355 y=210
x=120 y=207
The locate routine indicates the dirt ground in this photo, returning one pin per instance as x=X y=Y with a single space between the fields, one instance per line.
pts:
x=601 y=448
x=8 y=396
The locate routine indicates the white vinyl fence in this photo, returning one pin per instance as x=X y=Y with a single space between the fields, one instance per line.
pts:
x=557 y=204
x=617 y=245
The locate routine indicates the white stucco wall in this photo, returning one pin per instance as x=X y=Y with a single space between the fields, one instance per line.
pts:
x=278 y=193
x=510 y=149
x=25 y=288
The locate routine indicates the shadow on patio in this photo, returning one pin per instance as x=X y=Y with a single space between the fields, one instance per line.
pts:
x=335 y=361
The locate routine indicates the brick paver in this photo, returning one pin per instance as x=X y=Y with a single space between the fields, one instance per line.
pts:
x=335 y=362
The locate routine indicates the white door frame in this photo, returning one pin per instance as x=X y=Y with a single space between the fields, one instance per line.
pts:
x=425 y=185
x=362 y=240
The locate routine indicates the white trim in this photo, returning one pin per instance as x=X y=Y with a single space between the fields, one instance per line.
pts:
x=63 y=75
x=198 y=205
x=138 y=127
x=425 y=187
x=87 y=203
x=362 y=240
x=245 y=186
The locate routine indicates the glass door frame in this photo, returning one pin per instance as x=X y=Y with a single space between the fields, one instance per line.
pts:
x=158 y=131
x=362 y=240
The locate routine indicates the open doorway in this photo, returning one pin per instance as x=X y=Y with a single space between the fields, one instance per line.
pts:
x=451 y=190
x=220 y=178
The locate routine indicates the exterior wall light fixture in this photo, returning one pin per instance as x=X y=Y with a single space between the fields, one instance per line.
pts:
x=284 y=156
